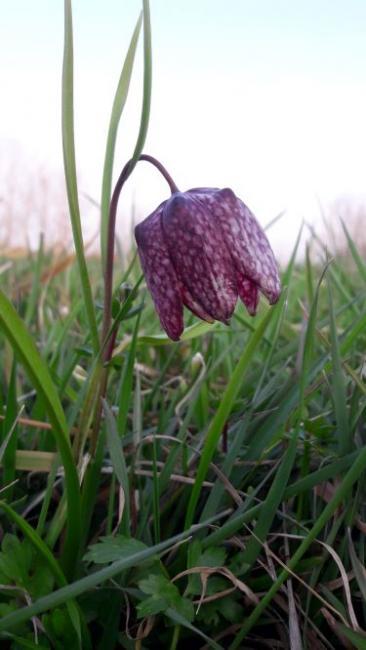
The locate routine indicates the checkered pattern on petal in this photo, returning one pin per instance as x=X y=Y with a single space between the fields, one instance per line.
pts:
x=248 y=293
x=160 y=275
x=247 y=242
x=200 y=256
x=203 y=248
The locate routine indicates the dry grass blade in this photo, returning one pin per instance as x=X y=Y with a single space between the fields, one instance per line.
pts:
x=344 y=576
x=178 y=478
x=293 y=619
x=295 y=575
x=205 y=572
x=227 y=484
x=8 y=436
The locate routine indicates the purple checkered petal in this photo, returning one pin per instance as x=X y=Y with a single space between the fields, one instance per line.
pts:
x=200 y=257
x=194 y=306
x=247 y=242
x=248 y=293
x=160 y=275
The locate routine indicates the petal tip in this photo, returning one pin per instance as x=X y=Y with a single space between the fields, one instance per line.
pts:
x=274 y=298
x=252 y=312
x=174 y=338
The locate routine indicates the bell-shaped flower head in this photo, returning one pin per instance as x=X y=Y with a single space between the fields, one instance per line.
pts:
x=203 y=248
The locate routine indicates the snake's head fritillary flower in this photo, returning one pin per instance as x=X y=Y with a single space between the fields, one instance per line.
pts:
x=203 y=248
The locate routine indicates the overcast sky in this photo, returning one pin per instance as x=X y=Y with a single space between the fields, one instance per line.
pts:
x=266 y=97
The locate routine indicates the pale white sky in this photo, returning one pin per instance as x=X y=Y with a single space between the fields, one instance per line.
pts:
x=266 y=97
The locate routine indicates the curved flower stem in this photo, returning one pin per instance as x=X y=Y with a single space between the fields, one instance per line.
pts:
x=108 y=276
x=162 y=170
x=107 y=346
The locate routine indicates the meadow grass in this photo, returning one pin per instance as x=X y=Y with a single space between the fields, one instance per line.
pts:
x=207 y=492
x=254 y=432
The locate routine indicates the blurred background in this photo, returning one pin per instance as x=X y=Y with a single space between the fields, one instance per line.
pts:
x=266 y=98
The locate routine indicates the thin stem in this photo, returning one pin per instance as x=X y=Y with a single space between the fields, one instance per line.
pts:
x=175 y=637
x=162 y=170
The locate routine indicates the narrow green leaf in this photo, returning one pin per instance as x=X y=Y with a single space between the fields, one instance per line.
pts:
x=47 y=495
x=25 y=349
x=118 y=461
x=181 y=620
x=287 y=277
x=309 y=276
x=309 y=345
x=223 y=412
x=146 y=98
x=70 y=172
x=305 y=484
x=117 y=110
x=192 y=332
x=217 y=492
x=23 y=643
x=354 y=252
x=358 y=639
x=339 y=388
x=8 y=455
x=269 y=506
x=357 y=566
x=36 y=284
x=126 y=387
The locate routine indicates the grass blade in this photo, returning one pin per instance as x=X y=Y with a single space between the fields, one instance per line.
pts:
x=25 y=349
x=180 y=620
x=118 y=462
x=223 y=411
x=271 y=503
x=70 y=172
x=339 y=388
x=126 y=387
x=36 y=284
x=117 y=110
x=146 y=99
x=8 y=453
x=354 y=252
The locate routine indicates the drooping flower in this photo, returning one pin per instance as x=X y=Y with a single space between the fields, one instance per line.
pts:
x=203 y=248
